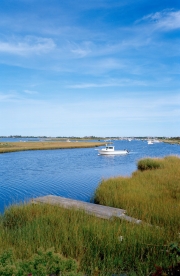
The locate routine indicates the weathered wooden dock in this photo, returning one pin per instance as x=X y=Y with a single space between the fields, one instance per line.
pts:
x=90 y=208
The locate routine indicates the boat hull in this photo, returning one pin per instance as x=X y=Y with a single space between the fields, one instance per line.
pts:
x=115 y=152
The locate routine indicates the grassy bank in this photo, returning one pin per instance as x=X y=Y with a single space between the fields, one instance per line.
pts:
x=152 y=193
x=103 y=247
x=22 y=146
x=100 y=247
x=175 y=140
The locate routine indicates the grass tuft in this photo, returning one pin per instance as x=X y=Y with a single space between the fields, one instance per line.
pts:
x=149 y=164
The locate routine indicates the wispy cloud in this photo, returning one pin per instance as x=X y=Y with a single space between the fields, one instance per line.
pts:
x=108 y=113
x=30 y=92
x=11 y=96
x=119 y=57
x=27 y=45
x=79 y=50
x=165 y=20
x=4 y=97
x=15 y=97
x=111 y=83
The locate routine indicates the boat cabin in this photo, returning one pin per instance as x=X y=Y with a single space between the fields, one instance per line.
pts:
x=109 y=148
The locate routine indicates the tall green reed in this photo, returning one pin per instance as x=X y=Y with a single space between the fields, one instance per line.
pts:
x=98 y=245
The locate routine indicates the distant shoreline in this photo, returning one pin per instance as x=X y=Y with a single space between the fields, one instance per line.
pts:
x=6 y=147
x=172 y=141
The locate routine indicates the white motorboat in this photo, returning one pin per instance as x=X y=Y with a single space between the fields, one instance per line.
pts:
x=150 y=142
x=109 y=150
x=156 y=141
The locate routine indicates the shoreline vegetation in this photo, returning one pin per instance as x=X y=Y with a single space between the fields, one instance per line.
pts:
x=61 y=143
x=151 y=194
x=37 y=233
x=175 y=140
x=45 y=145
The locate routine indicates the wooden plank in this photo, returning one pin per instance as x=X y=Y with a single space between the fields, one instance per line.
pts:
x=90 y=208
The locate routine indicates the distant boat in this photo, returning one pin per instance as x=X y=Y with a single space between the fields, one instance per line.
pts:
x=150 y=142
x=109 y=150
x=156 y=141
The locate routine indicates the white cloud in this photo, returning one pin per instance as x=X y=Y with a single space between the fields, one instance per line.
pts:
x=14 y=97
x=106 y=112
x=111 y=83
x=164 y=20
x=28 y=45
x=30 y=92
x=6 y=97
x=80 y=50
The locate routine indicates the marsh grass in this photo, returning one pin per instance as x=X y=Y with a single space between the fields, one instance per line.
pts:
x=175 y=140
x=99 y=246
x=23 y=146
x=152 y=195
x=149 y=164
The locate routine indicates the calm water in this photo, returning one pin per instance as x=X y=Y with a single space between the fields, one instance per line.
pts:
x=72 y=173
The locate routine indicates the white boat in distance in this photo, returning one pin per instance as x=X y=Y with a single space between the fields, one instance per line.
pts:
x=150 y=142
x=109 y=150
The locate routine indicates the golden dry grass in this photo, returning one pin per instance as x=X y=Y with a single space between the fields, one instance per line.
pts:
x=152 y=195
x=22 y=146
x=172 y=141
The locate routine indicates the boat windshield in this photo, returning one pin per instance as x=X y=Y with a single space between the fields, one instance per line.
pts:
x=110 y=148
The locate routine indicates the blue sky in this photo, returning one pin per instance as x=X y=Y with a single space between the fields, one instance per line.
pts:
x=79 y=68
